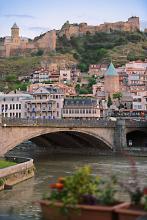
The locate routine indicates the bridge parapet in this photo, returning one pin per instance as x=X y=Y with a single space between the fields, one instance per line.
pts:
x=8 y=122
x=136 y=124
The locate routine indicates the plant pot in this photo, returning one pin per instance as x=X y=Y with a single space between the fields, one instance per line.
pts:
x=80 y=212
x=128 y=212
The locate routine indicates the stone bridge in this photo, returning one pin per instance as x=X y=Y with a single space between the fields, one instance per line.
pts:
x=101 y=134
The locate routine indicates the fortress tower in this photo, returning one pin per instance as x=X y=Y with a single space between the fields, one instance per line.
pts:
x=134 y=23
x=15 y=34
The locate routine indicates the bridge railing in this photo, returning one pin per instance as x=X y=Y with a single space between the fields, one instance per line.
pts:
x=57 y=122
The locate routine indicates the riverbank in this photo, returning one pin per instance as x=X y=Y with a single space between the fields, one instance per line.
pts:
x=21 y=169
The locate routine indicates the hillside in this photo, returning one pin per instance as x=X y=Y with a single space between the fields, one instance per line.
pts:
x=120 y=47
x=12 y=68
x=117 y=46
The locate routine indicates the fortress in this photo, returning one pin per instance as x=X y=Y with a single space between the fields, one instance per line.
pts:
x=15 y=45
x=70 y=30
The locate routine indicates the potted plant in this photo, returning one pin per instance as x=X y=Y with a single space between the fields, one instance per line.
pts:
x=138 y=197
x=81 y=196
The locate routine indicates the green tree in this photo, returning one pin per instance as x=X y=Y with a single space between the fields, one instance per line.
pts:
x=11 y=77
x=77 y=88
x=83 y=67
x=109 y=103
x=39 y=52
x=91 y=81
x=83 y=91
x=117 y=95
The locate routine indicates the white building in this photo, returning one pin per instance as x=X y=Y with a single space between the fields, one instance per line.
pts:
x=47 y=103
x=81 y=107
x=13 y=104
x=65 y=75
x=39 y=76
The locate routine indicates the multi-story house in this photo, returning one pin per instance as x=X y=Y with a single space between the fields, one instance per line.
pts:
x=40 y=75
x=81 y=108
x=65 y=75
x=13 y=104
x=67 y=90
x=47 y=103
x=137 y=102
x=54 y=76
x=137 y=76
x=97 y=69
x=123 y=79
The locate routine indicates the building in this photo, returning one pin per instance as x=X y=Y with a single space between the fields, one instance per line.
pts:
x=13 y=104
x=39 y=76
x=97 y=69
x=67 y=90
x=111 y=80
x=80 y=108
x=123 y=79
x=69 y=30
x=15 y=45
x=65 y=75
x=47 y=103
x=137 y=76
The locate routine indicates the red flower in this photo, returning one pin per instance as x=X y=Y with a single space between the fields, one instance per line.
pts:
x=145 y=191
x=53 y=186
x=61 y=180
x=59 y=185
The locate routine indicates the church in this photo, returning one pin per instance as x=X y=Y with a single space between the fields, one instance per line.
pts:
x=15 y=45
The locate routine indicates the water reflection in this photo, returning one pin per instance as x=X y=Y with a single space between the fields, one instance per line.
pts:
x=19 y=201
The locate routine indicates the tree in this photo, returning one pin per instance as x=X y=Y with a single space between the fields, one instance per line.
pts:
x=109 y=103
x=77 y=88
x=83 y=67
x=39 y=52
x=117 y=95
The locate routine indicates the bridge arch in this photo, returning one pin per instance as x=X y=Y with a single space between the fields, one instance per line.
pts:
x=99 y=136
x=137 y=138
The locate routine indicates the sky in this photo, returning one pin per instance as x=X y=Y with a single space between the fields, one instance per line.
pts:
x=35 y=17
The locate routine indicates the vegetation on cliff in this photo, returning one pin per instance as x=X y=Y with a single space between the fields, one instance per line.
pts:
x=103 y=47
x=11 y=68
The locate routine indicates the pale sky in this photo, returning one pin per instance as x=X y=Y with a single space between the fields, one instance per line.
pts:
x=38 y=16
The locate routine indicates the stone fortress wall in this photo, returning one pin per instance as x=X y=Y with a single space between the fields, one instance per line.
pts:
x=70 y=30
x=15 y=45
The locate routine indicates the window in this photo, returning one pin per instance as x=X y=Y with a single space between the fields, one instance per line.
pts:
x=10 y=106
x=57 y=105
x=13 y=106
x=19 y=106
x=16 y=106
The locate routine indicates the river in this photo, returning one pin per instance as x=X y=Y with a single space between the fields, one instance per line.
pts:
x=20 y=202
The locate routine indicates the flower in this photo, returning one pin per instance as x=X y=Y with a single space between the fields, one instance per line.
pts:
x=83 y=188
x=145 y=191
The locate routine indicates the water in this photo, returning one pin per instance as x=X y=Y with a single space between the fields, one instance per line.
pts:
x=21 y=201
